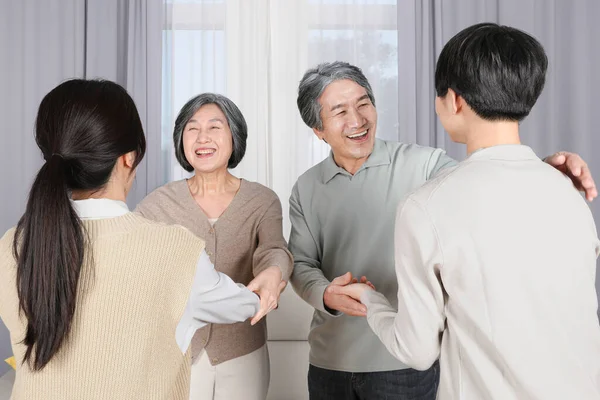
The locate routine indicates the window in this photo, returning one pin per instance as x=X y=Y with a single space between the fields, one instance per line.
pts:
x=197 y=43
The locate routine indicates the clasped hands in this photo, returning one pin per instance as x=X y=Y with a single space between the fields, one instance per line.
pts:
x=343 y=295
x=344 y=292
x=268 y=285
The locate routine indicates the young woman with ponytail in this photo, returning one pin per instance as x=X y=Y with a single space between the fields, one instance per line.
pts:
x=100 y=302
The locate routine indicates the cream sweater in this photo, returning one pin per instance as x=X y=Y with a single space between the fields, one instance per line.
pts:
x=122 y=343
x=496 y=264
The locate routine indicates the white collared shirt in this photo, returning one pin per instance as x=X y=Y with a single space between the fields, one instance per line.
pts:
x=214 y=297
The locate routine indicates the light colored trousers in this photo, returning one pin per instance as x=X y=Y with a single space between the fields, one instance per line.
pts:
x=243 y=378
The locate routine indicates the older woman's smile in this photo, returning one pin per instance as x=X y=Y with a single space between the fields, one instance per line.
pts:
x=204 y=152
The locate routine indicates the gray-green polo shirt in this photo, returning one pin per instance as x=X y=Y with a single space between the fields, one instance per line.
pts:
x=344 y=223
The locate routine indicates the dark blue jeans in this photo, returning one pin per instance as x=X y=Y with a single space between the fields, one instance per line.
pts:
x=405 y=384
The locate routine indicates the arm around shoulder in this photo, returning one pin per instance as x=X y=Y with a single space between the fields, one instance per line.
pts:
x=439 y=161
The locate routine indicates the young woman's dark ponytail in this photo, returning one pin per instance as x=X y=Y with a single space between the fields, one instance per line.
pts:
x=82 y=129
x=50 y=250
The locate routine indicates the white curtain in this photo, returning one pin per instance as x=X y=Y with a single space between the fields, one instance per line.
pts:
x=255 y=52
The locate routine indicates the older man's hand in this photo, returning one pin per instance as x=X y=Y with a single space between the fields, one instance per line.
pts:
x=574 y=167
x=354 y=290
x=334 y=300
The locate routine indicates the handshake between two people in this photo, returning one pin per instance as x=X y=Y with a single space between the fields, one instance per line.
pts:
x=343 y=295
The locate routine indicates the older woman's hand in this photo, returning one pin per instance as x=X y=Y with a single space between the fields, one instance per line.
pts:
x=268 y=285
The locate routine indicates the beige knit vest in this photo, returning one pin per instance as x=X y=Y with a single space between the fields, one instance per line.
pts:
x=130 y=300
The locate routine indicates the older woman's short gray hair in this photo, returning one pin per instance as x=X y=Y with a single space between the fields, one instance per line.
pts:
x=235 y=119
x=314 y=82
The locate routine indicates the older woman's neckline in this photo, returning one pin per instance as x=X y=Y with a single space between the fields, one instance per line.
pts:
x=233 y=205
x=201 y=186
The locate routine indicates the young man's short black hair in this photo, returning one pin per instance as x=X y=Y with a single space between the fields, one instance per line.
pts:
x=499 y=71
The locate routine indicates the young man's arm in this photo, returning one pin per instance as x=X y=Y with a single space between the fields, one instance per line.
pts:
x=413 y=333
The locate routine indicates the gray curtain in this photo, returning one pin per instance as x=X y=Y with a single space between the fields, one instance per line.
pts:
x=565 y=116
x=43 y=43
x=123 y=44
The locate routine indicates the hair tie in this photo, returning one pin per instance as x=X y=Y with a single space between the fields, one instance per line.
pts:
x=52 y=156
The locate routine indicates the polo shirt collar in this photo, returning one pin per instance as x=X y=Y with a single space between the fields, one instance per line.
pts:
x=379 y=156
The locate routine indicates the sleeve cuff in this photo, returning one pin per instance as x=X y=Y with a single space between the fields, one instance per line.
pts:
x=371 y=298
x=316 y=299
x=286 y=271
x=282 y=261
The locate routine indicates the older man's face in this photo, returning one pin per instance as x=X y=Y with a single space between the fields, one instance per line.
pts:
x=349 y=123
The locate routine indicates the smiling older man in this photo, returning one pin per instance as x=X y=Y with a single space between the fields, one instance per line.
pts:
x=342 y=212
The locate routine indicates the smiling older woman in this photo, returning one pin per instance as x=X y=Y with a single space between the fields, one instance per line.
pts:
x=241 y=222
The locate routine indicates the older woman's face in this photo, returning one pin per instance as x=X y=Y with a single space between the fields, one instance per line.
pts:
x=207 y=140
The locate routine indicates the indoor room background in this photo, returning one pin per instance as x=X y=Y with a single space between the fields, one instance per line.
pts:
x=255 y=52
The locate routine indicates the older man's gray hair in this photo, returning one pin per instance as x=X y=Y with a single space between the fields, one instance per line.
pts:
x=235 y=120
x=314 y=82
